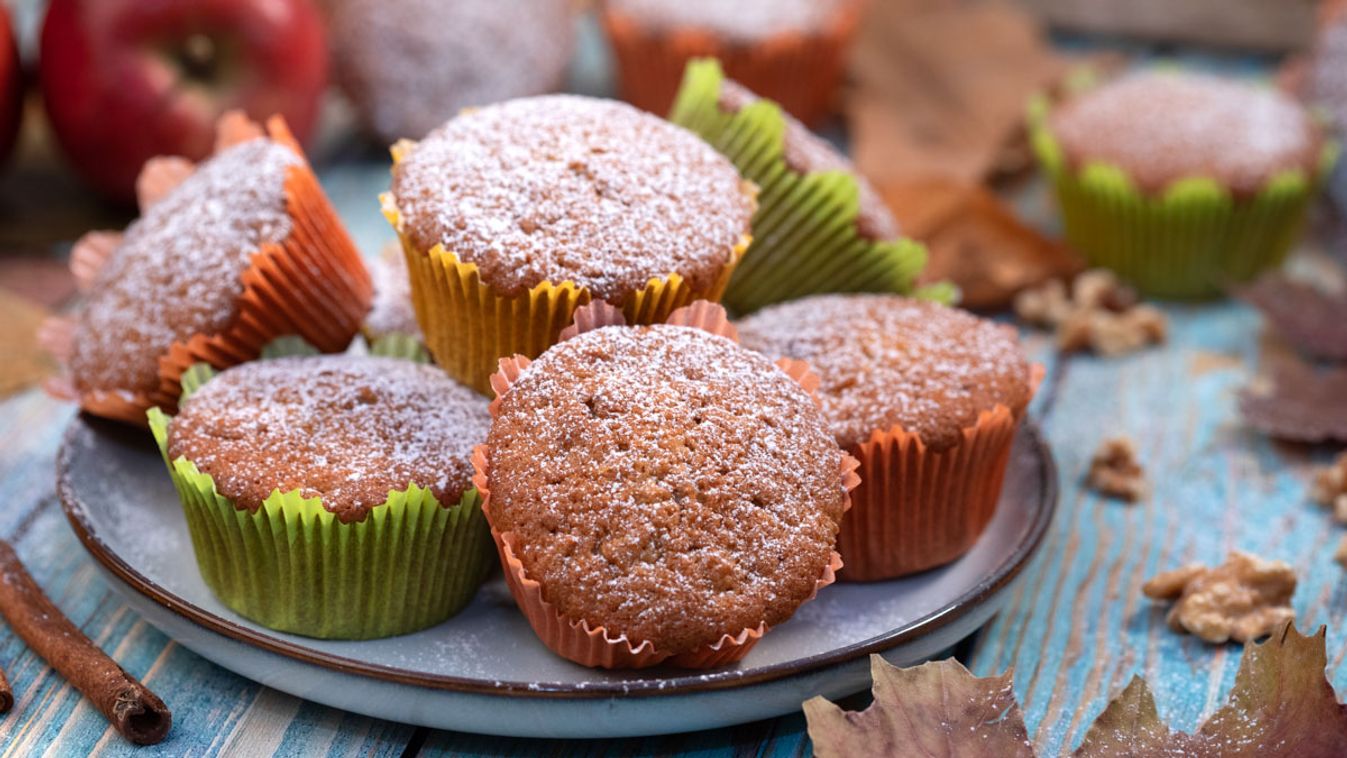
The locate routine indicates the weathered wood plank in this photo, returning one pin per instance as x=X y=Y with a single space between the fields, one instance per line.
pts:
x=1079 y=629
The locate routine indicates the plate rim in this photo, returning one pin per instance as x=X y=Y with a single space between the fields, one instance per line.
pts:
x=76 y=513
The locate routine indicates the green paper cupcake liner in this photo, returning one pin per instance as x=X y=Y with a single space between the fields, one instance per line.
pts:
x=805 y=239
x=292 y=565
x=399 y=345
x=1194 y=240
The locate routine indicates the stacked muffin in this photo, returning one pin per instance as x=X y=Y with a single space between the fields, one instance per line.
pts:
x=656 y=493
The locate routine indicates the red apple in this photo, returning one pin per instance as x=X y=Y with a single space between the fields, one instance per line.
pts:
x=11 y=84
x=126 y=80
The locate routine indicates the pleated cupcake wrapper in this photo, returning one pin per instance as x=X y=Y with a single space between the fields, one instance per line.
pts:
x=469 y=326
x=293 y=566
x=918 y=508
x=805 y=237
x=399 y=345
x=1192 y=241
x=311 y=284
x=803 y=72
x=575 y=639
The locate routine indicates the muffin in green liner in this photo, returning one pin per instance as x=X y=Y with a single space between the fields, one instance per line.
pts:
x=819 y=227
x=1183 y=184
x=342 y=553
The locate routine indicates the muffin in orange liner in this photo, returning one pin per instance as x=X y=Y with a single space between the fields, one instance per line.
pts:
x=301 y=275
x=793 y=52
x=928 y=399
x=594 y=645
x=514 y=215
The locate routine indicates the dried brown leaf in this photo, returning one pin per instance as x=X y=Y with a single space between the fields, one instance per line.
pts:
x=1129 y=726
x=935 y=709
x=976 y=241
x=1281 y=705
x=1298 y=402
x=941 y=87
x=1311 y=319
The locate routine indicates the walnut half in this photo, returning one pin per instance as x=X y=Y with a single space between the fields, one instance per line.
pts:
x=1243 y=599
x=1330 y=488
x=1116 y=472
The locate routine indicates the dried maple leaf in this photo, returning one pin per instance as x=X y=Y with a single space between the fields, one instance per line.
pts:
x=935 y=709
x=1298 y=402
x=1311 y=319
x=976 y=241
x=1281 y=705
x=941 y=87
x=1130 y=725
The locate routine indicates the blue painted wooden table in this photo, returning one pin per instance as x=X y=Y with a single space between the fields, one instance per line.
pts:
x=1075 y=630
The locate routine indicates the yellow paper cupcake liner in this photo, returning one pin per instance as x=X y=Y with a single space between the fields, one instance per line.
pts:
x=805 y=239
x=1192 y=241
x=469 y=327
x=292 y=565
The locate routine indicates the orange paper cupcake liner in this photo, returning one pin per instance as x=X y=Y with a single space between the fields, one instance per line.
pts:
x=802 y=72
x=574 y=639
x=918 y=508
x=469 y=326
x=312 y=284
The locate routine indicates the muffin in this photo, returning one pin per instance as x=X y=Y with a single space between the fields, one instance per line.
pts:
x=659 y=494
x=513 y=215
x=225 y=257
x=927 y=397
x=1183 y=183
x=342 y=483
x=407 y=65
x=391 y=315
x=820 y=226
x=792 y=51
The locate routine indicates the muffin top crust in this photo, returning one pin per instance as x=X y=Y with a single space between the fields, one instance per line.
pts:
x=563 y=187
x=806 y=153
x=888 y=361
x=178 y=269
x=665 y=483
x=1161 y=127
x=500 y=49
x=347 y=429
x=743 y=20
x=392 y=311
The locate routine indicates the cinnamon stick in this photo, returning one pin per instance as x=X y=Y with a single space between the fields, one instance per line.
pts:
x=132 y=709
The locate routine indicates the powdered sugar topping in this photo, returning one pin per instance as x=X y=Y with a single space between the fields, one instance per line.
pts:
x=741 y=20
x=411 y=64
x=665 y=483
x=344 y=428
x=1165 y=126
x=886 y=360
x=177 y=272
x=562 y=187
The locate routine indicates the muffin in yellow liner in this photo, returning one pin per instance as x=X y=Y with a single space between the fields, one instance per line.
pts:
x=364 y=542
x=514 y=215
x=1184 y=184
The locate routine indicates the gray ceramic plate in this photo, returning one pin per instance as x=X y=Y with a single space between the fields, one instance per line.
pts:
x=483 y=670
